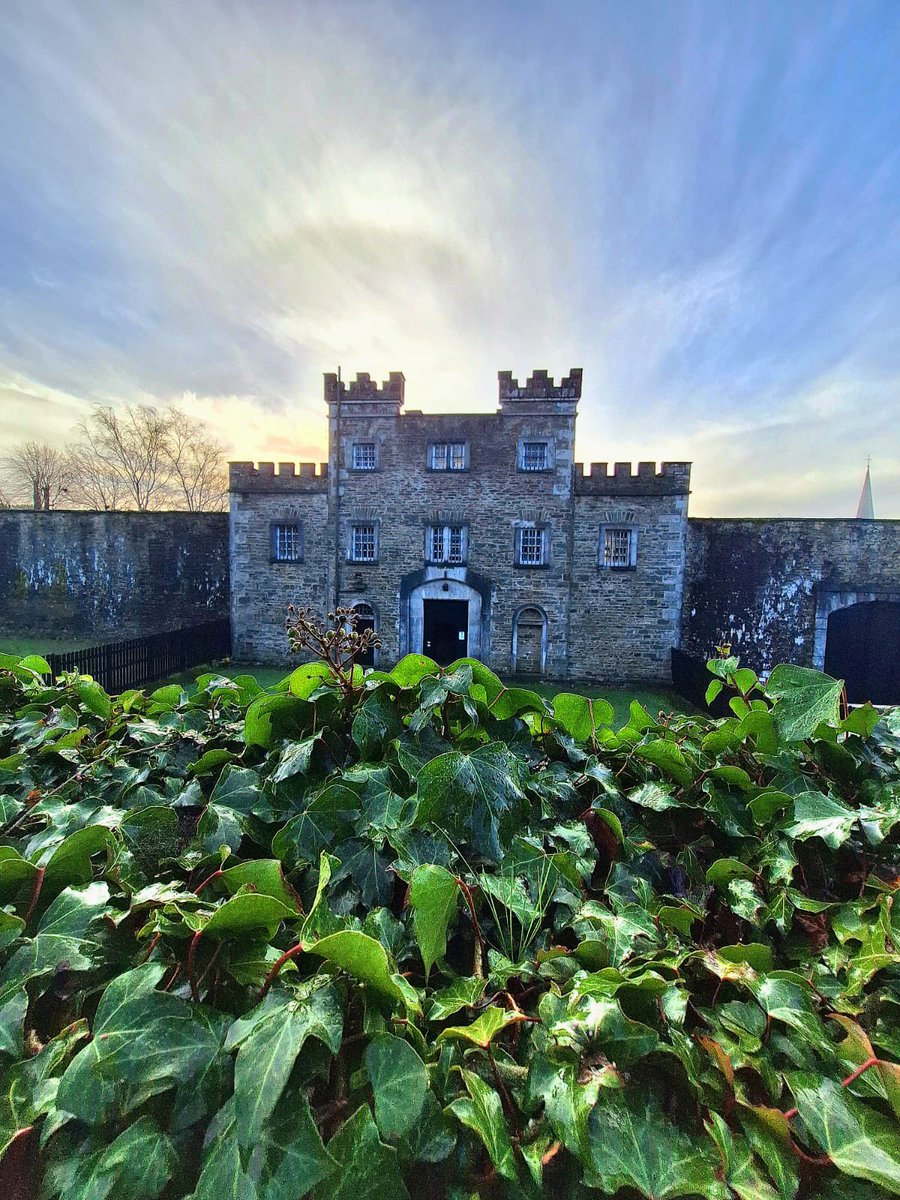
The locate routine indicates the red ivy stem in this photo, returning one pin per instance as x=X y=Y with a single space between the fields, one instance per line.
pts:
x=872 y=1061
x=208 y=879
x=35 y=892
x=192 y=951
x=279 y=963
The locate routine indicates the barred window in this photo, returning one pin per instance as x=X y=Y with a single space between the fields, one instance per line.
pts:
x=448 y=456
x=534 y=456
x=532 y=547
x=447 y=544
x=287 y=543
x=364 y=456
x=364 y=543
x=618 y=547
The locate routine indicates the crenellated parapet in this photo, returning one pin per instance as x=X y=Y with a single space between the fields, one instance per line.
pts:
x=540 y=386
x=673 y=479
x=289 y=478
x=362 y=396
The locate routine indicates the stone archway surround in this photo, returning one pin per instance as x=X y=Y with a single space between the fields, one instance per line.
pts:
x=445 y=583
x=828 y=600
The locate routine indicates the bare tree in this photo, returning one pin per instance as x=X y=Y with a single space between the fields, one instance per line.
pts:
x=197 y=465
x=132 y=444
x=5 y=501
x=96 y=483
x=37 y=474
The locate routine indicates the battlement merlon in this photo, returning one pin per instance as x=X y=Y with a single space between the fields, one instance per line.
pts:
x=363 y=397
x=673 y=479
x=291 y=478
x=541 y=386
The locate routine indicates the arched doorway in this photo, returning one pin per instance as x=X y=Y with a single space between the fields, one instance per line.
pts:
x=862 y=647
x=442 y=616
x=365 y=619
x=529 y=648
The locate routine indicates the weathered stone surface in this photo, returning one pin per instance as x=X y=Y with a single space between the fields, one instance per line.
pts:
x=766 y=586
x=87 y=574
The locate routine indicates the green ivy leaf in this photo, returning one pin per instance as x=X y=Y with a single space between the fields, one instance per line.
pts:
x=399 y=1083
x=818 y=815
x=475 y=794
x=483 y=1114
x=366 y=959
x=580 y=716
x=857 y=1138
x=803 y=700
x=433 y=897
x=483 y=1030
x=366 y=1166
x=633 y=1145
x=136 y=1165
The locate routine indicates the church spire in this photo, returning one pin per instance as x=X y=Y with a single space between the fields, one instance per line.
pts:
x=865 y=510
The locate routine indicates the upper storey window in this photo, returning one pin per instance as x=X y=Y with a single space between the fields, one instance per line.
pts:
x=534 y=456
x=448 y=456
x=287 y=542
x=446 y=544
x=364 y=457
x=364 y=542
x=531 y=546
x=618 y=547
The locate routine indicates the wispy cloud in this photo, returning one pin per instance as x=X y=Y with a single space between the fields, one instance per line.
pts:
x=214 y=204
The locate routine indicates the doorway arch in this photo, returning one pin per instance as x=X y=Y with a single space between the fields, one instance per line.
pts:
x=862 y=647
x=529 y=641
x=435 y=584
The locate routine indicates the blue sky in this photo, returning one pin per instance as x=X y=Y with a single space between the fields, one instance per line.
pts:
x=699 y=203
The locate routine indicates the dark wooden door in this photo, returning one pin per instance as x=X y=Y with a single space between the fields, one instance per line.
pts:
x=862 y=647
x=367 y=658
x=446 y=630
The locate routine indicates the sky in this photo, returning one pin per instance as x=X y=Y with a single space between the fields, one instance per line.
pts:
x=211 y=204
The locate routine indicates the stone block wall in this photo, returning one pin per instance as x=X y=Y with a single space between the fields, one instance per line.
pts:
x=766 y=586
x=110 y=575
x=262 y=589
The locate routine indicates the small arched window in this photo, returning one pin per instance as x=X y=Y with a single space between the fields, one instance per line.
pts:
x=365 y=619
x=529 y=642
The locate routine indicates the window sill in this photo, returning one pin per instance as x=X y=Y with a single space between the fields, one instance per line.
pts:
x=362 y=562
x=616 y=570
x=532 y=566
x=535 y=470
x=287 y=562
x=447 y=566
x=448 y=470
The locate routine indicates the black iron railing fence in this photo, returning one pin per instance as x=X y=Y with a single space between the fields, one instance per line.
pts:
x=120 y=665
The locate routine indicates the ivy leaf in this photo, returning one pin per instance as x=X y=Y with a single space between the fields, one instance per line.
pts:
x=433 y=897
x=461 y=993
x=592 y=1023
x=483 y=1114
x=268 y=1049
x=137 y=1165
x=367 y=960
x=668 y=757
x=61 y=934
x=366 y=1166
x=263 y=875
x=376 y=723
x=482 y=1031
x=248 y=913
x=399 y=1083
x=474 y=794
x=633 y=1145
x=857 y=1139
x=580 y=716
x=803 y=700
x=818 y=815
x=741 y=1173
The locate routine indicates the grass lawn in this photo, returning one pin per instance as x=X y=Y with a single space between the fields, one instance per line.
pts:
x=653 y=699
x=40 y=645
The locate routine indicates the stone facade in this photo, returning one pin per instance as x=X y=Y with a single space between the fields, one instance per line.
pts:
x=767 y=586
x=110 y=575
x=528 y=577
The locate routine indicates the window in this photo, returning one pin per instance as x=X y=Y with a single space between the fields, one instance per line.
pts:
x=534 y=456
x=364 y=618
x=364 y=543
x=446 y=544
x=531 y=546
x=364 y=456
x=618 y=547
x=448 y=456
x=287 y=542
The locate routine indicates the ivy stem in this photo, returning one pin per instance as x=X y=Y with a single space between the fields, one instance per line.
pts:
x=503 y=1090
x=35 y=893
x=276 y=967
x=192 y=951
x=215 y=875
x=871 y=1061
x=477 y=969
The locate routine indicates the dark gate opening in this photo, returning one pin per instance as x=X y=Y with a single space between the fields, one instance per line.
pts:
x=365 y=619
x=445 y=632
x=862 y=646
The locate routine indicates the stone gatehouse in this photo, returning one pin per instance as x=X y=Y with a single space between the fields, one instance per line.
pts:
x=466 y=534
